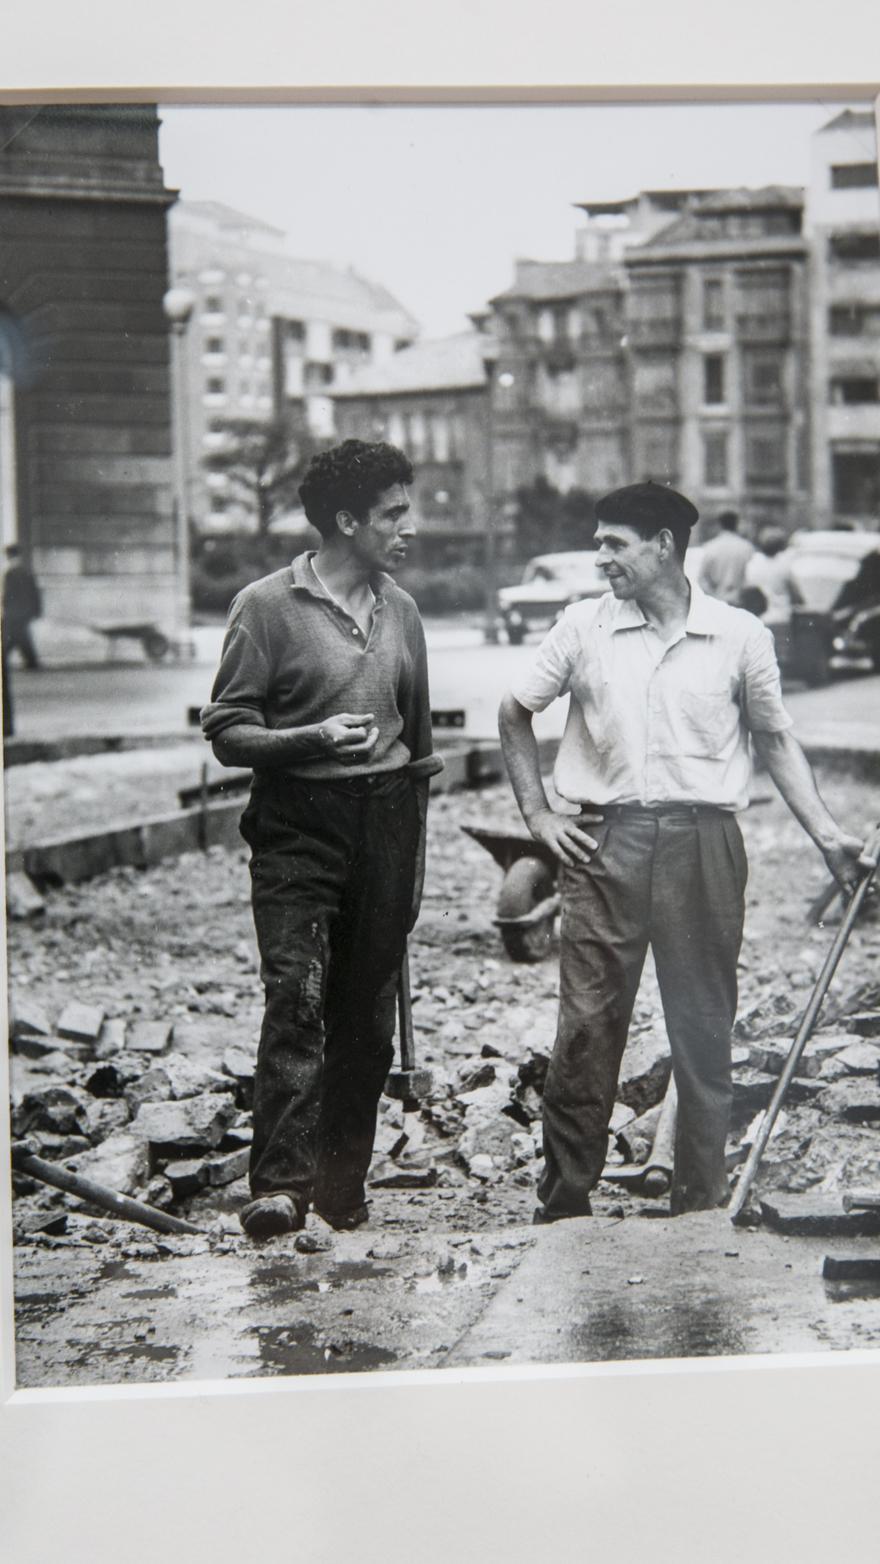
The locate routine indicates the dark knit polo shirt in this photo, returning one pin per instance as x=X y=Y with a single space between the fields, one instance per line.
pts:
x=292 y=657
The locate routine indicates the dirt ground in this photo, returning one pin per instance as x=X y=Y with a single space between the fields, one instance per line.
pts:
x=175 y=944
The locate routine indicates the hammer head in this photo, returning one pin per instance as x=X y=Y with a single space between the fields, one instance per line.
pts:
x=409 y=1086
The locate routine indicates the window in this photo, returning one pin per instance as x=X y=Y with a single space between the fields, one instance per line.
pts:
x=713 y=304
x=715 y=458
x=215 y=345
x=213 y=304
x=853 y=176
x=854 y=320
x=853 y=247
x=713 y=378
x=764 y=380
x=765 y=456
x=216 y=385
x=654 y=383
x=852 y=390
x=318 y=375
x=294 y=330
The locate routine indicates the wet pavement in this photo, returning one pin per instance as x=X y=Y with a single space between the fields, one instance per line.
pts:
x=595 y=1290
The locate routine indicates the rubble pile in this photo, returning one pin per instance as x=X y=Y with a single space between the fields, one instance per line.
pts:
x=136 y=1005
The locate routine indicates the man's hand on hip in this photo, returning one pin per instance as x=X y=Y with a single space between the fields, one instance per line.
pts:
x=563 y=835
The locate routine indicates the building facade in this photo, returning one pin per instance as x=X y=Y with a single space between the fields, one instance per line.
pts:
x=843 y=225
x=717 y=330
x=85 y=423
x=431 y=400
x=271 y=337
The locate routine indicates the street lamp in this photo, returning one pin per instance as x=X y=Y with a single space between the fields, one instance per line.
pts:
x=505 y=379
x=178 y=305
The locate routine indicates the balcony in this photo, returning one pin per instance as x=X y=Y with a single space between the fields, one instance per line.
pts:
x=763 y=325
x=654 y=331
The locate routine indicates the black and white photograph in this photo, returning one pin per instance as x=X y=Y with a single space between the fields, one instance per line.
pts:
x=440 y=670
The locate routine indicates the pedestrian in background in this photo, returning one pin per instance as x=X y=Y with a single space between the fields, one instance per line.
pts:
x=22 y=604
x=722 y=567
x=323 y=690
x=666 y=686
x=770 y=588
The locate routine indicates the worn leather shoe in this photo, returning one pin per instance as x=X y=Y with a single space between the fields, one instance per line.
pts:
x=269 y=1216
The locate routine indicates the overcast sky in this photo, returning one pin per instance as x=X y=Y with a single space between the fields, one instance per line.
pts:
x=436 y=202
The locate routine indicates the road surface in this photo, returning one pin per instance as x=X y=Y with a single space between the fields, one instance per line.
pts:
x=137 y=697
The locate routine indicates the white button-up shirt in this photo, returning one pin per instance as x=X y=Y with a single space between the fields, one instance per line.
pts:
x=653 y=721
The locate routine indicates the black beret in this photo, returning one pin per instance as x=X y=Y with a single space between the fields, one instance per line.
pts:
x=653 y=503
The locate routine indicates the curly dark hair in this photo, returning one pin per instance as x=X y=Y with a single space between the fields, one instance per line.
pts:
x=350 y=476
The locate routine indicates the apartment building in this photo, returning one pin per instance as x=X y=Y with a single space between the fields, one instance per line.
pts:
x=431 y=400
x=271 y=337
x=843 y=226
x=717 y=327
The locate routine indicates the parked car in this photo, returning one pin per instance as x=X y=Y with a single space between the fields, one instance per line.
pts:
x=549 y=583
x=838 y=574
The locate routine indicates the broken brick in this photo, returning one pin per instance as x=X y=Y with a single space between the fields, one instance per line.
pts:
x=861 y=1058
x=80 y=1023
x=225 y=1168
x=26 y=1021
x=149 y=1037
x=120 y=1163
x=191 y=1124
x=61 y=1110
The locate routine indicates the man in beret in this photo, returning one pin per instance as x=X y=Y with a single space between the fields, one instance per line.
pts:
x=666 y=687
x=323 y=690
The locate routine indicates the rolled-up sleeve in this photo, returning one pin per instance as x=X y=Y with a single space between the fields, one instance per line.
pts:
x=762 y=704
x=550 y=673
x=242 y=682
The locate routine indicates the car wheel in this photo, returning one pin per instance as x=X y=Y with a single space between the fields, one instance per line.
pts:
x=515 y=634
x=527 y=882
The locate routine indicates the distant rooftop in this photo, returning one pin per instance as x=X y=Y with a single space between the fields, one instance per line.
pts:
x=225 y=216
x=442 y=364
x=558 y=280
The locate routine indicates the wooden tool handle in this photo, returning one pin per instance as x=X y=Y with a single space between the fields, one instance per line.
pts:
x=404 y=1016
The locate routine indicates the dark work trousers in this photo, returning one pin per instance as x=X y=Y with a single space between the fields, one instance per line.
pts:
x=673 y=878
x=332 y=869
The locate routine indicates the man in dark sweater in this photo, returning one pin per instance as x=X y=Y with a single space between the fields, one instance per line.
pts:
x=323 y=690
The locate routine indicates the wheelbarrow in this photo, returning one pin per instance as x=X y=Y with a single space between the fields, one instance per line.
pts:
x=528 y=901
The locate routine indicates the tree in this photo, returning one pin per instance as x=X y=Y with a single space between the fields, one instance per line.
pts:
x=548 y=521
x=264 y=462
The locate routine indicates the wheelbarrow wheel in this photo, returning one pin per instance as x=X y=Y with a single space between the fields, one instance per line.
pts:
x=526 y=883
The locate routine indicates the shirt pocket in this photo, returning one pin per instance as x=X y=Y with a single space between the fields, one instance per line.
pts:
x=707 y=720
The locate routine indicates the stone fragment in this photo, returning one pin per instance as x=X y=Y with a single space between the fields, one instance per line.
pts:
x=23 y=900
x=149 y=1037
x=159 y=1192
x=389 y=1141
x=861 y=1058
x=186 y=1176
x=240 y=1066
x=28 y=1021
x=57 y=1148
x=532 y=1071
x=496 y=1137
x=385 y=1249
x=225 y=1167
x=120 y=1163
x=473 y=1074
x=644 y=1072
x=817 y=1214
x=54 y=1223
x=192 y=1124
x=480 y=1166
x=236 y=1136
x=175 y=1077
x=856 y=1099
x=752 y=1089
x=312 y=1242
x=621 y=1115
x=391 y=1175
x=636 y=1138
x=105 y=1116
x=81 y=1023
x=110 y=1080
x=112 y=1039
x=62 y=1110
x=866 y=1023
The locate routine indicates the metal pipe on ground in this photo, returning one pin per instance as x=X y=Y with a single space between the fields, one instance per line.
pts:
x=123 y=1206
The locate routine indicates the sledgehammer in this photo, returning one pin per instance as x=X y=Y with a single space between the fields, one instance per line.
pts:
x=408 y=1083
